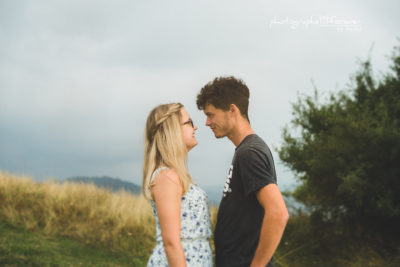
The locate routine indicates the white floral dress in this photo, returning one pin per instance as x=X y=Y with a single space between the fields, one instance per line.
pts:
x=195 y=230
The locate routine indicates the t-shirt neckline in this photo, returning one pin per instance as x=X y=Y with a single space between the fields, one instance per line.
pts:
x=244 y=139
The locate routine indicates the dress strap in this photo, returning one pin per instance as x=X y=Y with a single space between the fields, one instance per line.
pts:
x=156 y=172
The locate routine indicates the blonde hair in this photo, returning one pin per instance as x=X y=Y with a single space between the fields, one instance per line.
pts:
x=164 y=145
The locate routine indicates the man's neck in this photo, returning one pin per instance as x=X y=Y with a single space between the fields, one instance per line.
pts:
x=240 y=132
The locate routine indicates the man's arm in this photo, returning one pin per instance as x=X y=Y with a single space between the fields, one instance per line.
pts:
x=274 y=222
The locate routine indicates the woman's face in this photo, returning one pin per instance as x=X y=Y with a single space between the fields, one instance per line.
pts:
x=188 y=130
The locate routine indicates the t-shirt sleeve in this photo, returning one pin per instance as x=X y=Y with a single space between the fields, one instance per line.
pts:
x=255 y=170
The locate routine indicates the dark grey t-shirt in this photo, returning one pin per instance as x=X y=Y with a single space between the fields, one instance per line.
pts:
x=240 y=215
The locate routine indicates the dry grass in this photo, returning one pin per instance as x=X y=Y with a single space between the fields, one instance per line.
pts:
x=82 y=212
x=119 y=221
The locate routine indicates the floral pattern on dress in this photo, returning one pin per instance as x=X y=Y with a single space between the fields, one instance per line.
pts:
x=195 y=230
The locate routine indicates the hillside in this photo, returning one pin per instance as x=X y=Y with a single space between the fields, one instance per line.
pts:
x=72 y=224
x=110 y=183
x=214 y=193
x=120 y=223
x=77 y=224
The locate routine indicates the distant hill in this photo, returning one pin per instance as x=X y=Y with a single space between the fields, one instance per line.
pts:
x=115 y=184
x=110 y=183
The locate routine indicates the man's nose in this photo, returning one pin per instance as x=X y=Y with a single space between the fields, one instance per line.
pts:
x=208 y=122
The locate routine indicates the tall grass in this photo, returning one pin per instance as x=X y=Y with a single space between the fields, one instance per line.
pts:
x=305 y=243
x=120 y=222
x=124 y=223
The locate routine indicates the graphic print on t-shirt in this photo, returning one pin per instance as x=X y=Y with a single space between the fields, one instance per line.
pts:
x=227 y=188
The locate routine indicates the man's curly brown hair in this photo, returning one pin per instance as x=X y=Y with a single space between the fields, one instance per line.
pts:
x=224 y=91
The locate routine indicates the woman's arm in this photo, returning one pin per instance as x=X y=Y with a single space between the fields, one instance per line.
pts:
x=167 y=193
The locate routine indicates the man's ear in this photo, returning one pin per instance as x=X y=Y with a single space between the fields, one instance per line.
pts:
x=234 y=110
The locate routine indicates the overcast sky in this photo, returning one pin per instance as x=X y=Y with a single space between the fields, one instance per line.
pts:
x=78 y=78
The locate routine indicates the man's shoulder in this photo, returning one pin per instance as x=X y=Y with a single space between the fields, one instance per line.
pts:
x=253 y=143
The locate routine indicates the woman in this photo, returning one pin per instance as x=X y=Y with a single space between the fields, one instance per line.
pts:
x=180 y=208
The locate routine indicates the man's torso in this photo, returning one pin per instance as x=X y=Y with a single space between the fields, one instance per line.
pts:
x=240 y=215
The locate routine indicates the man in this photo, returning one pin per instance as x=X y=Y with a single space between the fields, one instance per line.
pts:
x=252 y=214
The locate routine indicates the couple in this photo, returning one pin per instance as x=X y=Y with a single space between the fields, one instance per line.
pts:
x=252 y=214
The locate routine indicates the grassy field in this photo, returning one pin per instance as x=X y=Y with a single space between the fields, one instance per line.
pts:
x=72 y=224
x=20 y=247
x=81 y=222
x=121 y=224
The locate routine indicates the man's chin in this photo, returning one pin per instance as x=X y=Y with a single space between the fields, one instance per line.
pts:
x=218 y=135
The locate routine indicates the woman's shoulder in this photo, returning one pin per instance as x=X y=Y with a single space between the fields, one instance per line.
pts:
x=165 y=180
x=164 y=175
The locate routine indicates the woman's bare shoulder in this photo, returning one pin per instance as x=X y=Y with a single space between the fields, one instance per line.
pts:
x=166 y=176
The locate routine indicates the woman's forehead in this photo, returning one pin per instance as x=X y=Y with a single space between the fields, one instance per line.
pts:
x=184 y=113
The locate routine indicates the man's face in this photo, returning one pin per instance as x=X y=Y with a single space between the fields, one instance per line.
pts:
x=218 y=120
